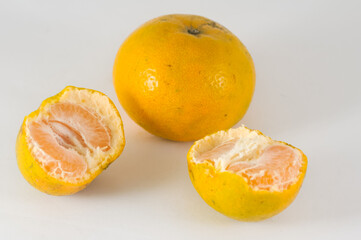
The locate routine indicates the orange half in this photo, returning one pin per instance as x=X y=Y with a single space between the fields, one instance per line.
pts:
x=245 y=174
x=66 y=143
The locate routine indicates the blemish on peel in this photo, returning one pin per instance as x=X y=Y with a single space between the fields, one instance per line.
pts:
x=150 y=80
x=219 y=80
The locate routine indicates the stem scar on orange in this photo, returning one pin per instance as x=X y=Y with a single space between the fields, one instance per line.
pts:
x=69 y=140
x=182 y=77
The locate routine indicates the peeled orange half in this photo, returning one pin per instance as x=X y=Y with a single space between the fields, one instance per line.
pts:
x=246 y=175
x=69 y=140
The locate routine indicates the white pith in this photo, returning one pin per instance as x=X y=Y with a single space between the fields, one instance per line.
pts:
x=226 y=148
x=100 y=106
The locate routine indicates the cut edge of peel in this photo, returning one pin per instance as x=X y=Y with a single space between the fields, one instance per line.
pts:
x=224 y=149
x=103 y=107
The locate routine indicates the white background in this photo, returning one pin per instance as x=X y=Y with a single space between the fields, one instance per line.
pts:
x=307 y=58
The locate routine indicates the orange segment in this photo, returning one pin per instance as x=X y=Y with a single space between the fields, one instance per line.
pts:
x=56 y=158
x=278 y=166
x=266 y=167
x=87 y=123
x=65 y=138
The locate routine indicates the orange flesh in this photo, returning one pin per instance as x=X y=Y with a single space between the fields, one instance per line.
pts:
x=277 y=166
x=64 y=138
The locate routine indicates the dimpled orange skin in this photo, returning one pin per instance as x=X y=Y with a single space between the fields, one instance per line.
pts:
x=182 y=77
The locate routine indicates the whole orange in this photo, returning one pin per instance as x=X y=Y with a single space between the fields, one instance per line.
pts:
x=182 y=77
